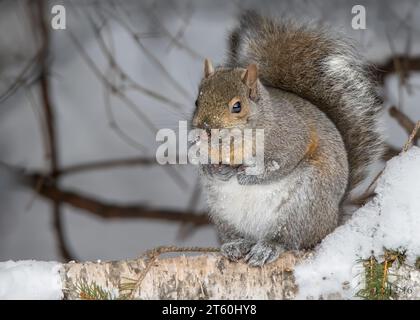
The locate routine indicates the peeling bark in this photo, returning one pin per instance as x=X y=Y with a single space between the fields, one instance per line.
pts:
x=210 y=276
x=188 y=277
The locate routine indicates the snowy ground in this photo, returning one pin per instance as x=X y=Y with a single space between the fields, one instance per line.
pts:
x=390 y=220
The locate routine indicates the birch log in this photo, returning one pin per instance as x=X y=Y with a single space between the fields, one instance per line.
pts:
x=210 y=276
x=207 y=276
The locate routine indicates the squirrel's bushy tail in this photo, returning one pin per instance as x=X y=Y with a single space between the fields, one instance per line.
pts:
x=325 y=70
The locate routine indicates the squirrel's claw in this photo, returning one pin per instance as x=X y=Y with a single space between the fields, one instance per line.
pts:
x=263 y=252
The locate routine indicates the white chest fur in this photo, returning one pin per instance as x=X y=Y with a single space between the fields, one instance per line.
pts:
x=252 y=209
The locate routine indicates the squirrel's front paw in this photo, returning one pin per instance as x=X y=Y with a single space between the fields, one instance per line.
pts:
x=236 y=249
x=263 y=252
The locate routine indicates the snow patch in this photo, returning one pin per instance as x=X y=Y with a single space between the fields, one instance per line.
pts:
x=390 y=220
x=30 y=279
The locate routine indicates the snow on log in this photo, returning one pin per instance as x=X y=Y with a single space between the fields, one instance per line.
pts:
x=30 y=280
x=391 y=220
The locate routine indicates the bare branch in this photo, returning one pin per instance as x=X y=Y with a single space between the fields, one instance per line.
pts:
x=108 y=210
x=106 y=164
x=406 y=64
x=41 y=25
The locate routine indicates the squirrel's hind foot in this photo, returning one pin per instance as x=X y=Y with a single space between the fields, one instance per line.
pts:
x=236 y=249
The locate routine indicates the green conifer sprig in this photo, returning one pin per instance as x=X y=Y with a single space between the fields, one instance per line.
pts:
x=92 y=291
x=376 y=275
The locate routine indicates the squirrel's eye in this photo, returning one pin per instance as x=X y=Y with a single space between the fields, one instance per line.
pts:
x=196 y=103
x=236 y=108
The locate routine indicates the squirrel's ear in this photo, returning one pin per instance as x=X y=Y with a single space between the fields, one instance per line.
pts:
x=250 y=77
x=208 y=68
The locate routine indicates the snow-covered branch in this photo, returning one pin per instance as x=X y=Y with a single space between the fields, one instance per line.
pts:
x=373 y=255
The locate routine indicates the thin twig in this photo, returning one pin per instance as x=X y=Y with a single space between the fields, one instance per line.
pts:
x=174 y=39
x=110 y=86
x=411 y=138
x=403 y=120
x=152 y=58
x=114 y=125
x=21 y=79
x=115 y=66
x=370 y=192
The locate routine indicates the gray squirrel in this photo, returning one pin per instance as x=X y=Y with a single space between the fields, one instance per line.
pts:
x=311 y=93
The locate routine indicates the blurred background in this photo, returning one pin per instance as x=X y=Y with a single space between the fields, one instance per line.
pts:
x=80 y=108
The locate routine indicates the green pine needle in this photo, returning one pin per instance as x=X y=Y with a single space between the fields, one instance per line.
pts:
x=92 y=291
